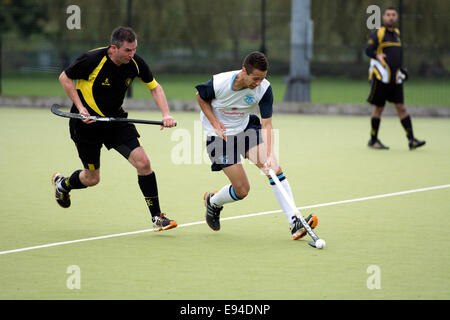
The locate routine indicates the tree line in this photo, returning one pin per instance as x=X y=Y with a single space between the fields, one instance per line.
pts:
x=218 y=27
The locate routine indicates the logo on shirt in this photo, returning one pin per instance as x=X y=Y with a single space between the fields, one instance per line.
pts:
x=249 y=99
x=224 y=159
x=233 y=113
x=128 y=82
x=106 y=82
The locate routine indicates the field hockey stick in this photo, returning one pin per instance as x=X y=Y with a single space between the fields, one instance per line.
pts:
x=311 y=233
x=55 y=109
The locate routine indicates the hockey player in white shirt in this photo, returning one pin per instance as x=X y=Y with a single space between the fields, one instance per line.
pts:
x=226 y=102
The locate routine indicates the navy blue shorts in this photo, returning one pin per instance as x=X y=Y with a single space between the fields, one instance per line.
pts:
x=227 y=153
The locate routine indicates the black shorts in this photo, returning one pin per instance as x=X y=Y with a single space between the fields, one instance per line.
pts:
x=227 y=153
x=89 y=139
x=380 y=92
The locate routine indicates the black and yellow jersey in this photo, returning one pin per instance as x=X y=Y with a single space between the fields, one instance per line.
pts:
x=102 y=85
x=386 y=41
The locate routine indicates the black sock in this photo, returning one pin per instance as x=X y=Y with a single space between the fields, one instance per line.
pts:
x=73 y=182
x=149 y=189
x=407 y=125
x=375 y=126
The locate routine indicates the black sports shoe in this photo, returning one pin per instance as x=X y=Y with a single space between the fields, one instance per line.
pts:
x=161 y=223
x=377 y=145
x=212 y=212
x=62 y=198
x=297 y=229
x=414 y=143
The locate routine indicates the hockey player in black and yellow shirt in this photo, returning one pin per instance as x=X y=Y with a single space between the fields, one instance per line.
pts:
x=102 y=77
x=387 y=75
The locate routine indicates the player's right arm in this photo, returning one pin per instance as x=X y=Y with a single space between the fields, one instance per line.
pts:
x=205 y=94
x=71 y=91
x=81 y=68
x=371 y=49
x=206 y=107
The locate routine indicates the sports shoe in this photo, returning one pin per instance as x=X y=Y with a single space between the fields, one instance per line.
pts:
x=377 y=145
x=414 y=143
x=297 y=229
x=161 y=223
x=62 y=198
x=212 y=212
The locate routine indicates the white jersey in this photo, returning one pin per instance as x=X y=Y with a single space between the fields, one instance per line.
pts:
x=232 y=107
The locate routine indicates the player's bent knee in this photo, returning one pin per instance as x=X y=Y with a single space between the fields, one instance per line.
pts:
x=143 y=165
x=401 y=109
x=377 y=111
x=242 y=191
x=90 y=180
x=277 y=170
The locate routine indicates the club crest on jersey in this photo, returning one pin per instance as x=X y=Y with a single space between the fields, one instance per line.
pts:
x=128 y=82
x=249 y=99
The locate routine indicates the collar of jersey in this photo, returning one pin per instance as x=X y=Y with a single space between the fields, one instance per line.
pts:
x=232 y=81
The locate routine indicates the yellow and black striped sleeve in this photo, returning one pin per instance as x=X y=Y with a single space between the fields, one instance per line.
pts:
x=144 y=74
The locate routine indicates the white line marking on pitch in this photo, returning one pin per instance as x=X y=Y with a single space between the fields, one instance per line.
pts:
x=228 y=218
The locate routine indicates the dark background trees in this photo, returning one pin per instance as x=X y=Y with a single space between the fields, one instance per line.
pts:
x=199 y=35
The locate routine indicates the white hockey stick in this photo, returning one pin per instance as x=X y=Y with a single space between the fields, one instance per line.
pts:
x=318 y=243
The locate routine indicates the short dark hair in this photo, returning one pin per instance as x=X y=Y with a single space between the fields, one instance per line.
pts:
x=121 y=34
x=255 y=60
x=389 y=8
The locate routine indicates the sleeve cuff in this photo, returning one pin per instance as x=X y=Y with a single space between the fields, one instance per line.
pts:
x=151 y=85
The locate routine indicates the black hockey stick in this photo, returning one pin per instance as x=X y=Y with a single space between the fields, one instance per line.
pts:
x=55 y=110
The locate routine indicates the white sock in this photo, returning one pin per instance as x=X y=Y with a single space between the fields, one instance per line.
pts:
x=225 y=195
x=289 y=214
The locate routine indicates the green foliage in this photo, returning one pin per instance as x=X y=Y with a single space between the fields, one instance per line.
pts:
x=200 y=22
x=193 y=34
x=23 y=17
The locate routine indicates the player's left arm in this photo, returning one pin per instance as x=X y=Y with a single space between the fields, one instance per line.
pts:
x=161 y=101
x=266 y=110
x=267 y=130
x=146 y=77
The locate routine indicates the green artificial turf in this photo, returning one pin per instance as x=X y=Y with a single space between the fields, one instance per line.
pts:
x=325 y=159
